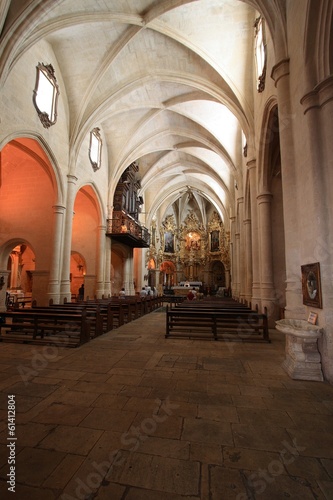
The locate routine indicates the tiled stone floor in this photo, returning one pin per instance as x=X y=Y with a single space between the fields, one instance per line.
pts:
x=135 y=416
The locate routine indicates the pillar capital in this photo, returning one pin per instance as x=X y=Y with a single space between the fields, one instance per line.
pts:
x=280 y=70
x=264 y=198
x=319 y=96
x=251 y=164
x=72 y=179
x=58 y=209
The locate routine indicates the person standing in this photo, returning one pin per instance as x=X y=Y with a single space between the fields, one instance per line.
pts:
x=81 y=292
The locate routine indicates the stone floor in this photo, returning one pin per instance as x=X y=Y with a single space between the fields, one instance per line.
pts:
x=135 y=416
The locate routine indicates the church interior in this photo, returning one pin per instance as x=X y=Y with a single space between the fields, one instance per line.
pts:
x=167 y=145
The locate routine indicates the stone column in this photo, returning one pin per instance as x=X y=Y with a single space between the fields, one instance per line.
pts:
x=256 y=296
x=54 y=283
x=248 y=260
x=294 y=306
x=107 y=268
x=14 y=277
x=242 y=250
x=65 y=289
x=318 y=111
x=40 y=281
x=128 y=273
x=236 y=288
x=266 y=254
x=101 y=262
x=233 y=254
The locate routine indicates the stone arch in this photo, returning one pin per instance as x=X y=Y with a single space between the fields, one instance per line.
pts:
x=318 y=57
x=269 y=137
x=23 y=201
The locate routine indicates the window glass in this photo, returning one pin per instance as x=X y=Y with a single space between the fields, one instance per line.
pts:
x=260 y=53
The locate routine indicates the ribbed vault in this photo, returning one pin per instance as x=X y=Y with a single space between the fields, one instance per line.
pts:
x=169 y=84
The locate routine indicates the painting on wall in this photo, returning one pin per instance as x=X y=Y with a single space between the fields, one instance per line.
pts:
x=169 y=245
x=311 y=285
x=215 y=241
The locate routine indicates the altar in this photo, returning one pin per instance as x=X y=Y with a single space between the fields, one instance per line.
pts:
x=190 y=284
x=184 y=286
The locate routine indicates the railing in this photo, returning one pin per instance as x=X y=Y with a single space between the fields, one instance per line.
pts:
x=128 y=226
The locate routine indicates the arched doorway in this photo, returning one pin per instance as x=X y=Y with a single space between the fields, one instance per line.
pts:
x=217 y=273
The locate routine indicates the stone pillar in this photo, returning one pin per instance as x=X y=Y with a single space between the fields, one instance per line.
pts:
x=294 y=306
x=14 y=277
x=54 y=283
x=227 y=278
x=128 y=274
x=318 y=111
x=101 y=262
x=248 y=260
x=256 y=295
x=236 y=288
x=90 y=286
x=107 y=268
x=242 y=250
x=40 y=281
x=65 y=289
x=232 y=253
x=266 y=255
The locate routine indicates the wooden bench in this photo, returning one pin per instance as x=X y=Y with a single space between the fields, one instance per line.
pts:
x=111 y=315
x=45 y=327
x=97 y=321
x=237 y=324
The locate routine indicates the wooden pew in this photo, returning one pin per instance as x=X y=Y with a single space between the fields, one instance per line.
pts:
x=45 y=327
x=97 y=321
x=231 y=324
x=109 y=316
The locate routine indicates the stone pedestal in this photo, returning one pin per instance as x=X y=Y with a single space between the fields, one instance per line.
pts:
x=303 y=360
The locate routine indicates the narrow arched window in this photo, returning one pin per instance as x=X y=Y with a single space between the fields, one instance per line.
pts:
x=45 y=94
x=95 y=149
x=260 y=53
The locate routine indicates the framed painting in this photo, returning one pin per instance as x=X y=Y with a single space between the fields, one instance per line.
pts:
x=169 y=244
x=215 y=241
x=311 y=285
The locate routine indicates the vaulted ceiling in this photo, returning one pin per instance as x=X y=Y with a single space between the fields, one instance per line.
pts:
x=169 y=83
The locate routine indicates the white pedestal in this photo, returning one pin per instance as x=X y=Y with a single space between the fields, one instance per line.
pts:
x=303 y=360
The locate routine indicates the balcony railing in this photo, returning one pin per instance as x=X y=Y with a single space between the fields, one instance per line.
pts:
x=128 y=231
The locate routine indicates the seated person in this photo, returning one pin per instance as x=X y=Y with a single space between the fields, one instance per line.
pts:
x=122 y=293
x=143 y=292
x=190 y=295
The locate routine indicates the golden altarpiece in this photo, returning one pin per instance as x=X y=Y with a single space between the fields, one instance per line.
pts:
x=190 y=253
